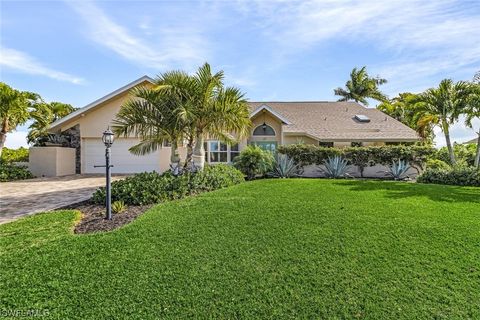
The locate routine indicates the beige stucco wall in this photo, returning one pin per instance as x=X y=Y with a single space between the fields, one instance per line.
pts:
x=272 y=122
x=51 y=161
x=93 y=123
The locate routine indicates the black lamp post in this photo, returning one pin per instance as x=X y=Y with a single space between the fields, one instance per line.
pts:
x=107 y=139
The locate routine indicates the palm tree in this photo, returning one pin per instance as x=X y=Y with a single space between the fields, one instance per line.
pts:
x=405 y=108
x=44 y=114
x=443 y=105
x=473 y=112
x=476 y=77
x=216 y=111
x=14 y=109
x=361 y=87
x=157 y=115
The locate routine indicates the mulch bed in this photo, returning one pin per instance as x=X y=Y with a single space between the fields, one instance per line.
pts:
x=93 y=217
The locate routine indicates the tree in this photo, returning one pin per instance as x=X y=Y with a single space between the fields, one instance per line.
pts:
x=476 y=77
x=216 y=111
x=14 y=109
x=406 y=109
x=184 y=108
x=472 y=111
x=443 y=105
x=157 y=115
x=44 y=114
x=361 y=87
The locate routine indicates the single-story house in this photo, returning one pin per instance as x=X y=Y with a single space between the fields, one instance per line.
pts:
x=331 y=124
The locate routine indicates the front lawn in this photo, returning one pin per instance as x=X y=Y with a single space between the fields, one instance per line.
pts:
x=302 y=248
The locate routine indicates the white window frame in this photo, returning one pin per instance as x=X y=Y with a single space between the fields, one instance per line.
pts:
x=229 y=152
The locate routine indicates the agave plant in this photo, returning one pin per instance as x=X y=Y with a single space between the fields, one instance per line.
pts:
x=398 y=170
x=335 y=167
x=284 y=167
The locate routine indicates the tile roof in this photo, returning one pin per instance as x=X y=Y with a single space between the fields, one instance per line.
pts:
x=336 y=121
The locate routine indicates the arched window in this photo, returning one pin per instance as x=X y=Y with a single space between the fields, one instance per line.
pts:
x=264 y=130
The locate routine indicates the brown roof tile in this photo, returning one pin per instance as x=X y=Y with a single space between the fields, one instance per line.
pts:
x=336 y=121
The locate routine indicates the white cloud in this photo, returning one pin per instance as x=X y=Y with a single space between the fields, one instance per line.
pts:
x=174 y=45
x=16 y=139
x=20 y=61
x=421 y=38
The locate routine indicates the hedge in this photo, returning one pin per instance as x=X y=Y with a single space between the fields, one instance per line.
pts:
x=362 y=157
x=459 y=176
x=14 y=155
x=152 y=187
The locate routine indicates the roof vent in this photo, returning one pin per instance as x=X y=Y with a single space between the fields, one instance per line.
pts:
x=362 y=118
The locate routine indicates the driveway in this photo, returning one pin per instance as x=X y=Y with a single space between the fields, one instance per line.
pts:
x=25 y=197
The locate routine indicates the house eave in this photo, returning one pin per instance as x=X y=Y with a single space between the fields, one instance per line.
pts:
x=78 y=113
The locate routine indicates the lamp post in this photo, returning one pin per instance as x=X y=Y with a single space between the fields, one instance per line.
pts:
x=107 y=139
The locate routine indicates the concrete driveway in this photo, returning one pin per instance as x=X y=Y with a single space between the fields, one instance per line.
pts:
x=25 y=197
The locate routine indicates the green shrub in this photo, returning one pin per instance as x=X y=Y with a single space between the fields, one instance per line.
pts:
x=152 y=187
x=14 y=155
x=459 y=175
x=216 y=177
x=362 y=157
x=254 y=162
x=463 y=152
x=438 y=165
x=10 y=172
x=118 y=206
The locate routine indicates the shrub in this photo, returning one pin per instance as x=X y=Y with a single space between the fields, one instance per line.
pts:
x=463 y=152
x=284 y=167
x=14 y=155
x=254 y=162
x=10 y=172
x=363 y=157
x=459 y=175
x=152 y=187
x=118 y=206
x=216 y=177
x=398 y=170
x=438 y=165
x=335 y=167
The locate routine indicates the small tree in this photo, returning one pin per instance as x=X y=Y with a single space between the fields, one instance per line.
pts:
x=472 y=111
x=43 y=115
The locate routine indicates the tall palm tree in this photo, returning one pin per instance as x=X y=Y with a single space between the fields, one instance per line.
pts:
x=443 y=105
x=157 y=115
x=473 y=112
x=14 y=109
x=216 y=111
x=43 y=114
x=361 y=87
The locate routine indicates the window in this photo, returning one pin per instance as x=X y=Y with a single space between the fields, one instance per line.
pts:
x=325 y=144
x=356 y=144
x=218 y=152
x=234 y=152
x=266 y=145
x=264 y=130
x=166 y=143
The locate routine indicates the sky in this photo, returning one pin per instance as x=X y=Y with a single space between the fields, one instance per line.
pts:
x=78 y=51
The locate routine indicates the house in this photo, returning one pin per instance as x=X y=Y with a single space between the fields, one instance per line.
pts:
x=331 y=124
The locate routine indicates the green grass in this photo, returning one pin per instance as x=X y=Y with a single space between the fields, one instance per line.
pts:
x=265 y=249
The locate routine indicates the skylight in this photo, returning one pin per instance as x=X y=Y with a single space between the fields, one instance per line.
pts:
x=362 y=118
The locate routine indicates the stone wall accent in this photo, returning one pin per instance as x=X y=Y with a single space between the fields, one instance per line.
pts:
x=73 y=141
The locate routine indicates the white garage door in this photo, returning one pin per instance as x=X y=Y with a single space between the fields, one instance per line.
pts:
x=121 y=159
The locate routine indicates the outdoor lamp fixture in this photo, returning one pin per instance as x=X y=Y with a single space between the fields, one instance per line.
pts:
x=107 y=139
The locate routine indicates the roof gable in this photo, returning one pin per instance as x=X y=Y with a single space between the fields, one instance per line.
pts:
x=265 y=107
x=103 y=99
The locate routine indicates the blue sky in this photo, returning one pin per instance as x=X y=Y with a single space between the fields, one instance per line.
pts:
x=78 y=51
